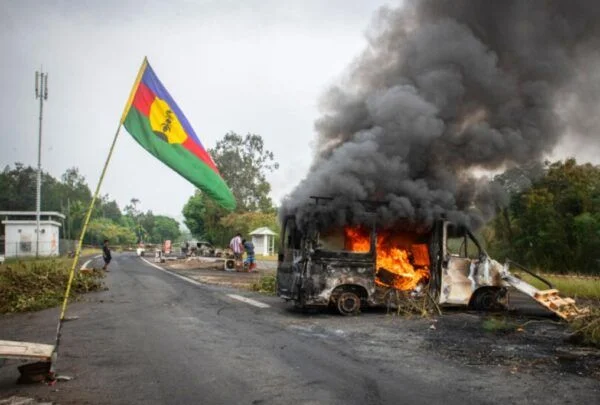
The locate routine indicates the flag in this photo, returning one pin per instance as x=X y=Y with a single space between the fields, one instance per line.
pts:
x=155 y=121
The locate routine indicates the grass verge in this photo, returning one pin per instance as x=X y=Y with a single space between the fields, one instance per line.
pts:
x=272 y=258
x=571 y=286
x=32 y=285
x=89 y=251
x=265 y=285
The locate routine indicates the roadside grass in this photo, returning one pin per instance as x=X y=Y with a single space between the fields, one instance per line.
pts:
x=498 y=324
x=572 y=286
x=88 y=251
x=32 y=285
x=265 y=284
x=587 y=329
x=271 y=258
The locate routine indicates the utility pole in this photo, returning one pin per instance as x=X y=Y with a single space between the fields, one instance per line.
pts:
x=41 y=92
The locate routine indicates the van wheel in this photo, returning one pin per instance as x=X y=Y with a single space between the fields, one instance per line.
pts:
x=348 y=303
x=488 y=299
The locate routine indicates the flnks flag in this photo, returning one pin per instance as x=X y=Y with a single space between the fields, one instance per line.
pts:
x=155 y=121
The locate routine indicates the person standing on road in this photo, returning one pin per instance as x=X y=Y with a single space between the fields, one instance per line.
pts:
x=106 y=255
x=250 y=262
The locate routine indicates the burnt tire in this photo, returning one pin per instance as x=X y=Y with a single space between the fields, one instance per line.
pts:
x=488 y=299
x=348 y=303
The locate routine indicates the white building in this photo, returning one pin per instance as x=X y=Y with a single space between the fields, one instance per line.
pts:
x=20 y=233
x=263 y=240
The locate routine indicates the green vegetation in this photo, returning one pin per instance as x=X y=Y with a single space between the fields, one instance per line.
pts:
x=33 y=285
x=554 y=224
x=71 y=196
x=587 y=329
x=265 y=284
x=498 y=324
x=89 y=251
x=244 y=164
x=267 y=258
x=570 y=286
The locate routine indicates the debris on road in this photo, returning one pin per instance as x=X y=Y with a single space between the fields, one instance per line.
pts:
x=16 y=400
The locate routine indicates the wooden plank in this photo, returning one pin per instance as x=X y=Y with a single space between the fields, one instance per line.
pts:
x=546 y=293
x=25 y=350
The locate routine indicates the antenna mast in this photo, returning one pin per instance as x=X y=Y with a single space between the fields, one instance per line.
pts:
x=41 y=93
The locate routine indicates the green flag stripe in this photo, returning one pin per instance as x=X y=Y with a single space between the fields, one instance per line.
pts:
x=179 y=159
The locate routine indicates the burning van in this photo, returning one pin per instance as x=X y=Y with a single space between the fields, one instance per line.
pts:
x=356 y=266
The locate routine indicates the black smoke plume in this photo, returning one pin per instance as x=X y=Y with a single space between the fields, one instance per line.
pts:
x=446 y=87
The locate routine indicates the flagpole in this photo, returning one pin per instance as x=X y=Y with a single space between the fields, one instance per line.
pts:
x=78 y=252
x=88 y=216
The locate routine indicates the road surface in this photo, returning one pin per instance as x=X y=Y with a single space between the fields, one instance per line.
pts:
x=158 y=338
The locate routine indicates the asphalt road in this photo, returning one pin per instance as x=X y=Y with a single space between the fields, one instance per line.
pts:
x=156 y=338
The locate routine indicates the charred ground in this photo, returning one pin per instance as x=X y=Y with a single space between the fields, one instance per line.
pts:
x=524 y=339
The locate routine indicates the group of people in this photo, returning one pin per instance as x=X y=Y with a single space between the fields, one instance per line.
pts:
x=239 y=246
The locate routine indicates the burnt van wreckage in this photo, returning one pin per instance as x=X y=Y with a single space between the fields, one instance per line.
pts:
x=351 y=267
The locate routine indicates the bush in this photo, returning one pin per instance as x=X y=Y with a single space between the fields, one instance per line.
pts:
x=587 y=328
x=33 y=285
x=265 y=285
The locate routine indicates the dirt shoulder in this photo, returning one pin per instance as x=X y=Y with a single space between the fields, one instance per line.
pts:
x=212 y=271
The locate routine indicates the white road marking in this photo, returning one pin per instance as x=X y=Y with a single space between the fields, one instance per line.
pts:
x=189 y=280
x=249 y=301
x=84 y=265
x=194 y=282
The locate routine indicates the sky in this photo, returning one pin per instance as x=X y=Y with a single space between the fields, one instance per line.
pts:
x=249 y=67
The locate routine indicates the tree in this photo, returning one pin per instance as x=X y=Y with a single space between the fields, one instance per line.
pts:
x=133 y=213
x=554 y=225
x=165 y=228
x=18 y=188
x=202 y=217
x=146 y=225
x=102 y=228
x=244 y=162
x=74 y=186
x=246 y=222
x=193 y=213
x=109 y=209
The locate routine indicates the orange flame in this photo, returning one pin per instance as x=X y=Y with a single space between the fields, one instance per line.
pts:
x=408 y=262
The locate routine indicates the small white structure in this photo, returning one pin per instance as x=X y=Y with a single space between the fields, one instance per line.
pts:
x=263 y=240
x=20 y=233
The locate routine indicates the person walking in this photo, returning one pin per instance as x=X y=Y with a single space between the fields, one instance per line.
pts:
x=250 y=262
x=106 y=255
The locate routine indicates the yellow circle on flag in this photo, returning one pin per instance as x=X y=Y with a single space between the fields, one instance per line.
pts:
x=164 y=121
